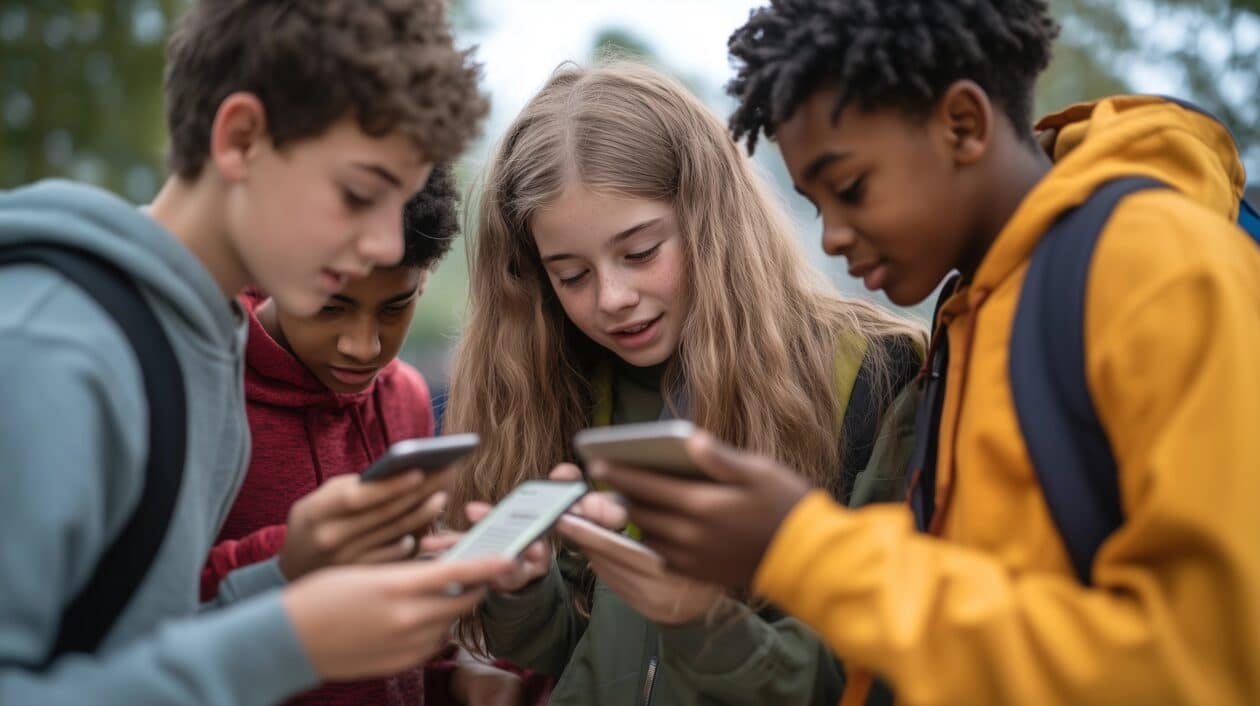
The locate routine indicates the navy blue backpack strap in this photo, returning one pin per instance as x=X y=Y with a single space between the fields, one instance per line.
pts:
x=921 y=474
x=1066 y=441
x=1249 y=220
x=125 y=563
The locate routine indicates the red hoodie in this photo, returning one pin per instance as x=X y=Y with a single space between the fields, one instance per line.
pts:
x=303 y=434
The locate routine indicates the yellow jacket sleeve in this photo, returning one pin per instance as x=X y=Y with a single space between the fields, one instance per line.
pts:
x=1174 y=616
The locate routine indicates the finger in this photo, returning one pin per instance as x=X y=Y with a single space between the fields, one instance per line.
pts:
x=565 y=472
x=724 y=463
x=537 y=551
x=412 y=522
x=434 y=577
x=477 y=510
x=624 y=582
x=438 y=543
x=642 y=487
x=337 y=534
x=356 y=496
x=403 y=548
x=603 y=509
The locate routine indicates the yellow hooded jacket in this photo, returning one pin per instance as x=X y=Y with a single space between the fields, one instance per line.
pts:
x=989 y=611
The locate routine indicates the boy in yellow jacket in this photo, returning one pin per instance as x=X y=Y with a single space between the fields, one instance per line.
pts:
x=907 y=125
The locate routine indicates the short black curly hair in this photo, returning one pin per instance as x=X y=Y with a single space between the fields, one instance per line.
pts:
x=430 y=221
x=885 y=53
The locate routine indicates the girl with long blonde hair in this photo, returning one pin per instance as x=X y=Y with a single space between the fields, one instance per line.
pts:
x=628 y=265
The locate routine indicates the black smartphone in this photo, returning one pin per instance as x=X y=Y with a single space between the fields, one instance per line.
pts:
x=428 y=454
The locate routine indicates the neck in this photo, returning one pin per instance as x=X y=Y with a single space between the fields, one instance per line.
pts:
x=1023 y=167
x=193 y=213
x=649 y=377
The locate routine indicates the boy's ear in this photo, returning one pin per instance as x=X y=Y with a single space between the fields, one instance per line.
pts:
x=967 y=114
x=238 y=133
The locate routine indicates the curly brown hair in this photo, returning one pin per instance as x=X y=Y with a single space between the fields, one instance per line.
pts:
x=391 y=64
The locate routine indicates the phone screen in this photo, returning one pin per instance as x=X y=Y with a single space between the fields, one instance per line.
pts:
x=520 y=518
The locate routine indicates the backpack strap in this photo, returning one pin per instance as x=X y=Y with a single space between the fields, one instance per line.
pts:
x=1068 y=446
x=124 y=564
x=921 y=473
x=862 y=413
x=1249 y=220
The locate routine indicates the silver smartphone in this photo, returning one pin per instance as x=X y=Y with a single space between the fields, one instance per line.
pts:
x=519 y=519
x=659 y=446
x=428 y=454
x=594 y=538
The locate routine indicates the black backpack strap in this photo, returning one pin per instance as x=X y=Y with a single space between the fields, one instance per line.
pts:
x=921 y=474
x=862 y=416
x=125 y=563
x=1065 y=439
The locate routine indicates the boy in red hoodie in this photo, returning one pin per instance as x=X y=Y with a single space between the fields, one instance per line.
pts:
x=326 y=395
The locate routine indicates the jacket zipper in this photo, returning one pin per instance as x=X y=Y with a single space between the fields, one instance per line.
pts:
x=649 y=682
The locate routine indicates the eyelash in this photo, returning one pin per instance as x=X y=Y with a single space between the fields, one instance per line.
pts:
x=853 y=194
x=644 y=255
x=569 y=281
x=354 y=201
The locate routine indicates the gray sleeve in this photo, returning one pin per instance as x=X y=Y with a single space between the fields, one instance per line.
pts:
x=537 y=627
x=750 y=660
x=70 y=450
x=247 y=581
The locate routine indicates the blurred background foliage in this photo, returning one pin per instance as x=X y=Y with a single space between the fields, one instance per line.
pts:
x=81 y=95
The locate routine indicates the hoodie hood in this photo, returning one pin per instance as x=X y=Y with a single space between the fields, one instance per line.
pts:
x=1097 y=142
x=75 y=215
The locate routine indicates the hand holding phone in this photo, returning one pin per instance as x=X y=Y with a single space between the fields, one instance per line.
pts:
x=427 y=454
x=594 y=539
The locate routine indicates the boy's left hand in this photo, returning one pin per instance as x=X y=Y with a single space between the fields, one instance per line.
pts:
x=714 y=532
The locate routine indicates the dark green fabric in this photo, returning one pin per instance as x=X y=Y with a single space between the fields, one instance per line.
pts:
x=604 y=660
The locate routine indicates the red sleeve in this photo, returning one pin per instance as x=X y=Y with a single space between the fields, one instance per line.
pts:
x=229 y=555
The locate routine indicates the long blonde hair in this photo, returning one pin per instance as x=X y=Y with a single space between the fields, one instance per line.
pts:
x=758 y=345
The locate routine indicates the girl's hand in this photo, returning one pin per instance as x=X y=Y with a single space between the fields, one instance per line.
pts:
x=347 y=521
x=659 y=595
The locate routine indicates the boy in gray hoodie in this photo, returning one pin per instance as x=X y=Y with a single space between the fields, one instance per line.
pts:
x=298 y=130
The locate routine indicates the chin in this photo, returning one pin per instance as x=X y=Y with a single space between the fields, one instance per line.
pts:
x=297 y=303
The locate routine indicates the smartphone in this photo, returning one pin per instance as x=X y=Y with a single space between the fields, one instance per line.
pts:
x=519 y=519
x=428 y=454
x=659 y=446
x=594 y=538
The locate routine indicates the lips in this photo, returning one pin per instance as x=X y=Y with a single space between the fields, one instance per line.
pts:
x=353 y=376
x=631 y=329
x=874 y=274
x=640 y=334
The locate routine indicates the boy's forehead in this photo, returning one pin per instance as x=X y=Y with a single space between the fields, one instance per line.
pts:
x=395 y=152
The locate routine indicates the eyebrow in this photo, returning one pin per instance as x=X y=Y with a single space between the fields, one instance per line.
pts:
x=400 y=297
x=614 y=240
x=823 y=161
x=381 y=172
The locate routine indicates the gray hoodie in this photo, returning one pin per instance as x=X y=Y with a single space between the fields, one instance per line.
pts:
x=73 y=439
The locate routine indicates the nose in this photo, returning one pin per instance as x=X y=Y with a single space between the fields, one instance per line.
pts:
x=361 y=342
x=837 y=237
x=381 y=243
x=616 y=294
